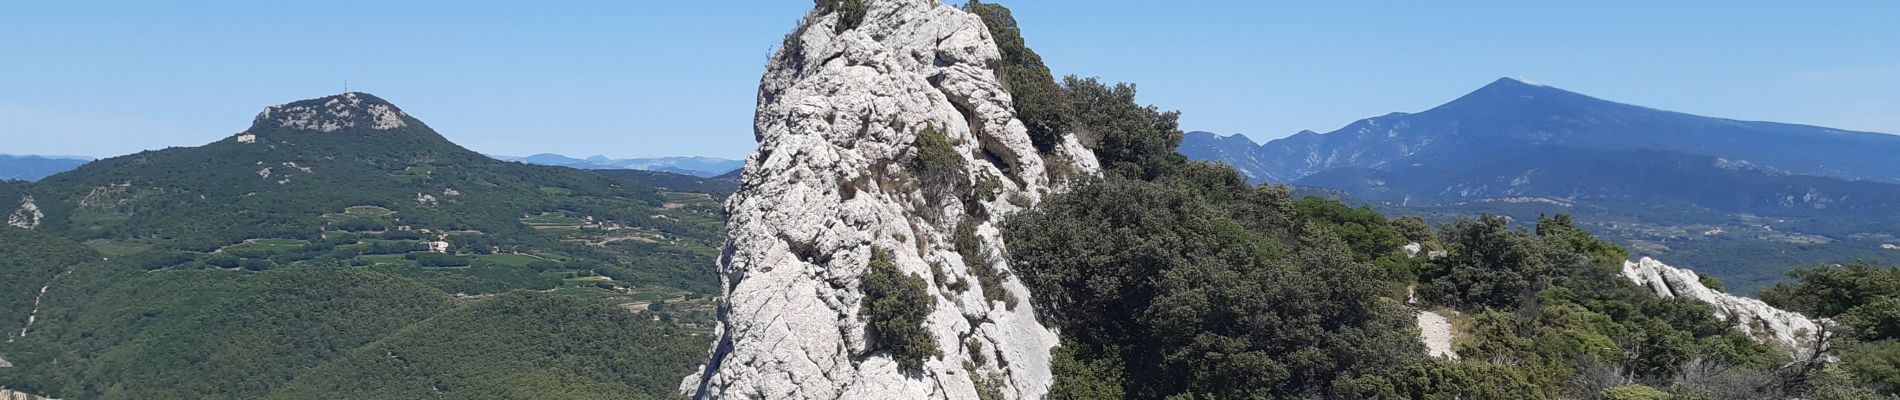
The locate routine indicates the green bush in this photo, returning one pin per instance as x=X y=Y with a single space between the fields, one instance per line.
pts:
x=1710 y=281
x=1161 y=291
x=897 y=305
x=981 y=263
x=1132 y=140
x=850 y=12
x=938 y=167
x=1489 y=265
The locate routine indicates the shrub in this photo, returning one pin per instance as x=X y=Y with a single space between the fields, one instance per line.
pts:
x=897 y=304
x=1132 y=140
x=1711 y=282
x=1157 y=284
x=981 y=263
x=850 y=12
x=937 y=166
x=987 y=188
x=1490 y=265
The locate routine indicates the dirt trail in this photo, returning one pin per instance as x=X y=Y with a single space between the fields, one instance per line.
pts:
x=34 y=315
x=641 y=306
x=1435 y=331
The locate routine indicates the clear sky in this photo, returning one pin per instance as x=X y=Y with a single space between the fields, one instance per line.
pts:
x=657 y=78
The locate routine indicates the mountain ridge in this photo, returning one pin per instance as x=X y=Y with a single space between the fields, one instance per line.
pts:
x=36 y=167
x=704 y=167
x=1509 y=113
x=1742 y=200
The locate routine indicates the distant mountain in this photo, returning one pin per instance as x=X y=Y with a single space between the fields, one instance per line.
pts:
x=1641 y=176
x=33 y=168
x=1510 y=114
x=718 y=186
x=704 y=167
x=1236 y=150
x=1742 y=200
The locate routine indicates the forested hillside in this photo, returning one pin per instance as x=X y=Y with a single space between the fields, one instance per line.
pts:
x=335 y=226
x=1742 y=200
x=1178 y=279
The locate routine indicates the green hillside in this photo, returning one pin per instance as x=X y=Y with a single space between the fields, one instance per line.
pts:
x=520 y=345
x=31 y=260
x=338 y=225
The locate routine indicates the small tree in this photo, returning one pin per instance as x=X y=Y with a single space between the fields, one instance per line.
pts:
x=938 y=167
x=897 y=304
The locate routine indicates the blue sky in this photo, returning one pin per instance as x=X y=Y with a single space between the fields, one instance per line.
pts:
x=655 y=78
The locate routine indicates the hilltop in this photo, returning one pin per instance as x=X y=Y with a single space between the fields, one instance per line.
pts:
x=290 y=259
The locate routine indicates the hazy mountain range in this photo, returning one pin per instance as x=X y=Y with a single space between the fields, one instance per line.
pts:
x=32 y=168
x=1509 y=115
x=704 y=167
x=35 y=167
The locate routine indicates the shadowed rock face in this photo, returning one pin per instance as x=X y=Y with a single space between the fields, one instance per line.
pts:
x=838 y=111
x=1787 y=331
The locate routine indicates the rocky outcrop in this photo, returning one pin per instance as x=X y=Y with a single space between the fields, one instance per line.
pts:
x=838 y=111
x=331 y=114
x=9 y=394
x=28 y=216
x=1787 y=331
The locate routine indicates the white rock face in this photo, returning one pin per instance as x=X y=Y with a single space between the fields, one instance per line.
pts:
x=28 y=216
x=9 y=394
x=334 y=113
x=1787 y=331
x=830 y=181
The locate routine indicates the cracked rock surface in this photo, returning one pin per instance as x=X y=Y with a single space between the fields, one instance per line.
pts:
x=1784 y=330
x=838 y=111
